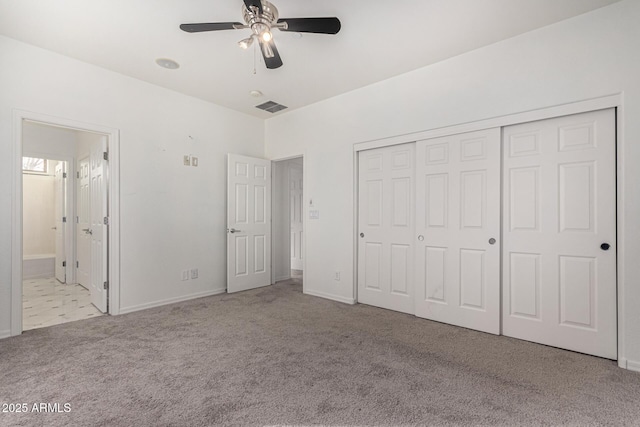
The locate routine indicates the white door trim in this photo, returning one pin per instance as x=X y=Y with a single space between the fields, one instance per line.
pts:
x=600 y=103
x=19 y=116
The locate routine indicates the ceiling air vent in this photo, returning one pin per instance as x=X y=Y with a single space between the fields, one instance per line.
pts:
x=270 y=106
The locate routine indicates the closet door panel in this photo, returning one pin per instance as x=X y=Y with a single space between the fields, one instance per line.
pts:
x=458 y=230
x=386 y=211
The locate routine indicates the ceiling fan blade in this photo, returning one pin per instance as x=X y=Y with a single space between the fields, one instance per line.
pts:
x=270 y=54
x=312 y=25
x=211 y=26
x=255 y=3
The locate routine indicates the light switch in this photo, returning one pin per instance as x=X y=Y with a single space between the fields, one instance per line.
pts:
x=194 y=161
x=314 y=214
x=187 y=161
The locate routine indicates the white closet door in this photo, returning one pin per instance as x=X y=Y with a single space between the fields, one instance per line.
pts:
x=559 y=215
x=458 y=230
x=385 y=227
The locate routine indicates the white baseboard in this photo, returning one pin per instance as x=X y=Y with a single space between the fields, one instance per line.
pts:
x=633 y=366
x=5 y=334
x=338 y=298
x=153 y=304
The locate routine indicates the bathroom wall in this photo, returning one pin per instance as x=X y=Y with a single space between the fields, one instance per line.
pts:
x=38 y=213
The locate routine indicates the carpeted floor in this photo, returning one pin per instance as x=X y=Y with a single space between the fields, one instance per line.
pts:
x=274 y=356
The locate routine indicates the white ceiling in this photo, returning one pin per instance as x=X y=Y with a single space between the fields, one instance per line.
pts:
x=379 y=39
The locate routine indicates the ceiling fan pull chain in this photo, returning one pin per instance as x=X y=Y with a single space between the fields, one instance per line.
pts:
x=254 y=58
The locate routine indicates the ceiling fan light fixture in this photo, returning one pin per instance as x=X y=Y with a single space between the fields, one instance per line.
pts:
x=267 y=36
x=267 y=51
x=245 y=43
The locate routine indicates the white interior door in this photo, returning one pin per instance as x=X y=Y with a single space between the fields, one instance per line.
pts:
x=559 y=213
x=458 y=230
x=59 y=207
x=295 y=217
x=248 y=223
x=385 y=227
x=83 y=224
x=98 y=229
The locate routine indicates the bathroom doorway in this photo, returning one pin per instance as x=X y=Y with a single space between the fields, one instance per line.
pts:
x=58 y=179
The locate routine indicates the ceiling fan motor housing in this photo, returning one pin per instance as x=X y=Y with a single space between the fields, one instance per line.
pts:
x=260 y=22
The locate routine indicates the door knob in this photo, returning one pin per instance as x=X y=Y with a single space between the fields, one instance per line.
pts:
x=87 y=230
x=605 y=246
x=492 y=241
x=421 y=237
x=361 y=234
x=233 y=230
x=54 y=228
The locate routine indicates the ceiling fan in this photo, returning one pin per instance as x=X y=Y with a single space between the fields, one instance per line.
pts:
x=261 y=17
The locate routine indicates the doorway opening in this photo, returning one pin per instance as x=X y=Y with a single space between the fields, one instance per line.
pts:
x=64 y=223
x=288 y=220
x=60 y=278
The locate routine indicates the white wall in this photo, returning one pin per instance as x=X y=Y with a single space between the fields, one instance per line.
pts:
x=589 y=56
x=38 y=214
x=280 y=259
x=48 y=140
x=172 y=216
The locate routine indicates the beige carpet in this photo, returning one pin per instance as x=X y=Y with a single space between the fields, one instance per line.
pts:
x=274 y=356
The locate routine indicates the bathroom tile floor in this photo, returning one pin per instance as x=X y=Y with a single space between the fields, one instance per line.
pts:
x=47 y=302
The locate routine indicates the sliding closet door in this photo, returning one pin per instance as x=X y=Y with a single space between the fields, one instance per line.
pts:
x=560 y=233
x=385 y=227
x=458 y=230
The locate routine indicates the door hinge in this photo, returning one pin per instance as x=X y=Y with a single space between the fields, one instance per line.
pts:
x=106 y=220
x=105 y=155
x=64 y=219
x=77 y=264
x=106 y=285
x=77 y=174
x=64 y=174
x=64 y=263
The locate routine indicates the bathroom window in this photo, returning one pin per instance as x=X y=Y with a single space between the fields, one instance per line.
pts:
x=34 y=164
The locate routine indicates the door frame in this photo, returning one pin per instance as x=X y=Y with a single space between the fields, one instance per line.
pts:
x=113 y=197
x=70 y=207
x=611 y=101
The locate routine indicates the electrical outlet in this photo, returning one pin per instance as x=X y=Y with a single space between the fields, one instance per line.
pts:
x=185 y=274
x=194 y=273
x=336 y=276
x=187 y=160
x=194 y=161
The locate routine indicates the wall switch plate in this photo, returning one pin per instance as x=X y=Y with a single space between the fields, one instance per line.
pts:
x=187 y=160
x=336 y=276
x=185 y=274
x=194 y=273
x=194 y=161
x=314 y=214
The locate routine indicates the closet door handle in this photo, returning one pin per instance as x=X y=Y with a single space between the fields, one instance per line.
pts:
x=492 y=241
x=87 y=230
x=361 y=234
x=233 y=230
